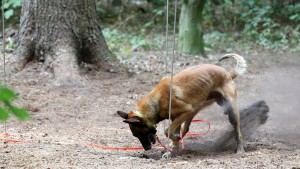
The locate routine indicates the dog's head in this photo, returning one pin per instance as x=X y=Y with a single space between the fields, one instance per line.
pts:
x=141 y=128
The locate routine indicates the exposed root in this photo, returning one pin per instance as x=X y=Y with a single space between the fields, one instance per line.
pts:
x=65 y=68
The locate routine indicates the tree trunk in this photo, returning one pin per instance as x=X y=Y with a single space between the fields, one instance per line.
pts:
x=61 y=34
x=190 y=28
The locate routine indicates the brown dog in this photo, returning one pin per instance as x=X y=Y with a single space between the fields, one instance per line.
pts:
x=193 y=89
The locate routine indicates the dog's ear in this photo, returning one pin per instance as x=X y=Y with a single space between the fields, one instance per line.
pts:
x=122 y=114
x=135 y=121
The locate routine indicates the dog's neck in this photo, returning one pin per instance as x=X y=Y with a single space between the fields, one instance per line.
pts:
x=138 y=113
x=153 y=106
x=149 y=110
x=149 y=121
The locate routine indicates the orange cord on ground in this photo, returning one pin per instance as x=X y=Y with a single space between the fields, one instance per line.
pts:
x=157 y=138
x=6 y=139
x=199 y=134
x=194 y=134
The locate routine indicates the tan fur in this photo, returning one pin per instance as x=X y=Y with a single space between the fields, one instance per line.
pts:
x=193 y=90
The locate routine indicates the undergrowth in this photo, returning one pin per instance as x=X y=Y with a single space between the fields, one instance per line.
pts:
x=243 y=25
x=228 y=25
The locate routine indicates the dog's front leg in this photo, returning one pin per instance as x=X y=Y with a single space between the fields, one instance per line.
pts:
x=174 y=131
x=186 y=127
x=175 y=141
x=174 y=144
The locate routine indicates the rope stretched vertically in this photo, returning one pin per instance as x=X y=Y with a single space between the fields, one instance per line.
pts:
x=3 y=45
x=172 y=68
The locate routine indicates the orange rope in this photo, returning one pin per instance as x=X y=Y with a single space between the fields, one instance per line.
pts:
x=165 y=147
x=6 y=139
x=199 y=134
x=194 y=134
x=158 y=140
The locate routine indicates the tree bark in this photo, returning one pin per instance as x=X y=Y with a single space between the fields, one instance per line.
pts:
x=61 y=34
x=190 y=28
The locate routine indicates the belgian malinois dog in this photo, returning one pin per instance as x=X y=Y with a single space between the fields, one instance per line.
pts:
x=193 y=89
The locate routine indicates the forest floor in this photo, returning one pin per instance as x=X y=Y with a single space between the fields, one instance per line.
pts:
x=65 y=121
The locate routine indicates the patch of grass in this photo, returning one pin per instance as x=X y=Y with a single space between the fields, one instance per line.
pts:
x=126 y=43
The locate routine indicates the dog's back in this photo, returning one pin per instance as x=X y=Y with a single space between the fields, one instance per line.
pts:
x=196 y=83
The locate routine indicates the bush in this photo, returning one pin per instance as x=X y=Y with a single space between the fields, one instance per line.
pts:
x=271 y=24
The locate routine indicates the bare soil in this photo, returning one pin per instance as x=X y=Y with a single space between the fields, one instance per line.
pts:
x=65 y=120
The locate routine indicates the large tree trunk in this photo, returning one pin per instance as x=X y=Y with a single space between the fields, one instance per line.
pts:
x=61 y=34
x=190 y=28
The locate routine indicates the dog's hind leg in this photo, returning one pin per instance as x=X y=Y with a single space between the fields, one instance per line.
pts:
x=231 y=108
x=252 y=117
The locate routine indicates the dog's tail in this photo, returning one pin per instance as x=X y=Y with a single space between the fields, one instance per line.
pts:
x=241 y=65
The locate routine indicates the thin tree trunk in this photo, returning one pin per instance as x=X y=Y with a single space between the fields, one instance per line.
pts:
x=190 y=28
x=62 y=34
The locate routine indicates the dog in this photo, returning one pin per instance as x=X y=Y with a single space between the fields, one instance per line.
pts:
x=193 y=89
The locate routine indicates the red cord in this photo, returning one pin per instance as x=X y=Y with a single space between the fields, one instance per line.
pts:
x=194 y=134
x=5 y=138
x=165 y=147
x=158 y=140
x=199 y=134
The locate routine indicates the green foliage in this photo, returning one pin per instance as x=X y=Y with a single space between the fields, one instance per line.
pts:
x=119 y=41
x=158 y=2
x=214 y=38
x=10 y=6
x=7 y=107
x=268 y=23
x=10 y=43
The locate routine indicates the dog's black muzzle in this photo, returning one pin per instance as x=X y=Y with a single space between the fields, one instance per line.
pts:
x=147 y=141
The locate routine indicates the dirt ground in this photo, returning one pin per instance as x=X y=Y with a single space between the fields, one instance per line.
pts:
x=66 y=120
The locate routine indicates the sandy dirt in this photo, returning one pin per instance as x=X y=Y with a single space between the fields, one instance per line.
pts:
x=65 y=121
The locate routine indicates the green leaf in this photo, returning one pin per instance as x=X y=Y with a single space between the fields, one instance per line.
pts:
x=7 y=94
x=294 y=17
x=20 y=113
x=9 y=13
x=3 y=114
x=6 y=5
x=148 y=24
x=17 y=3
